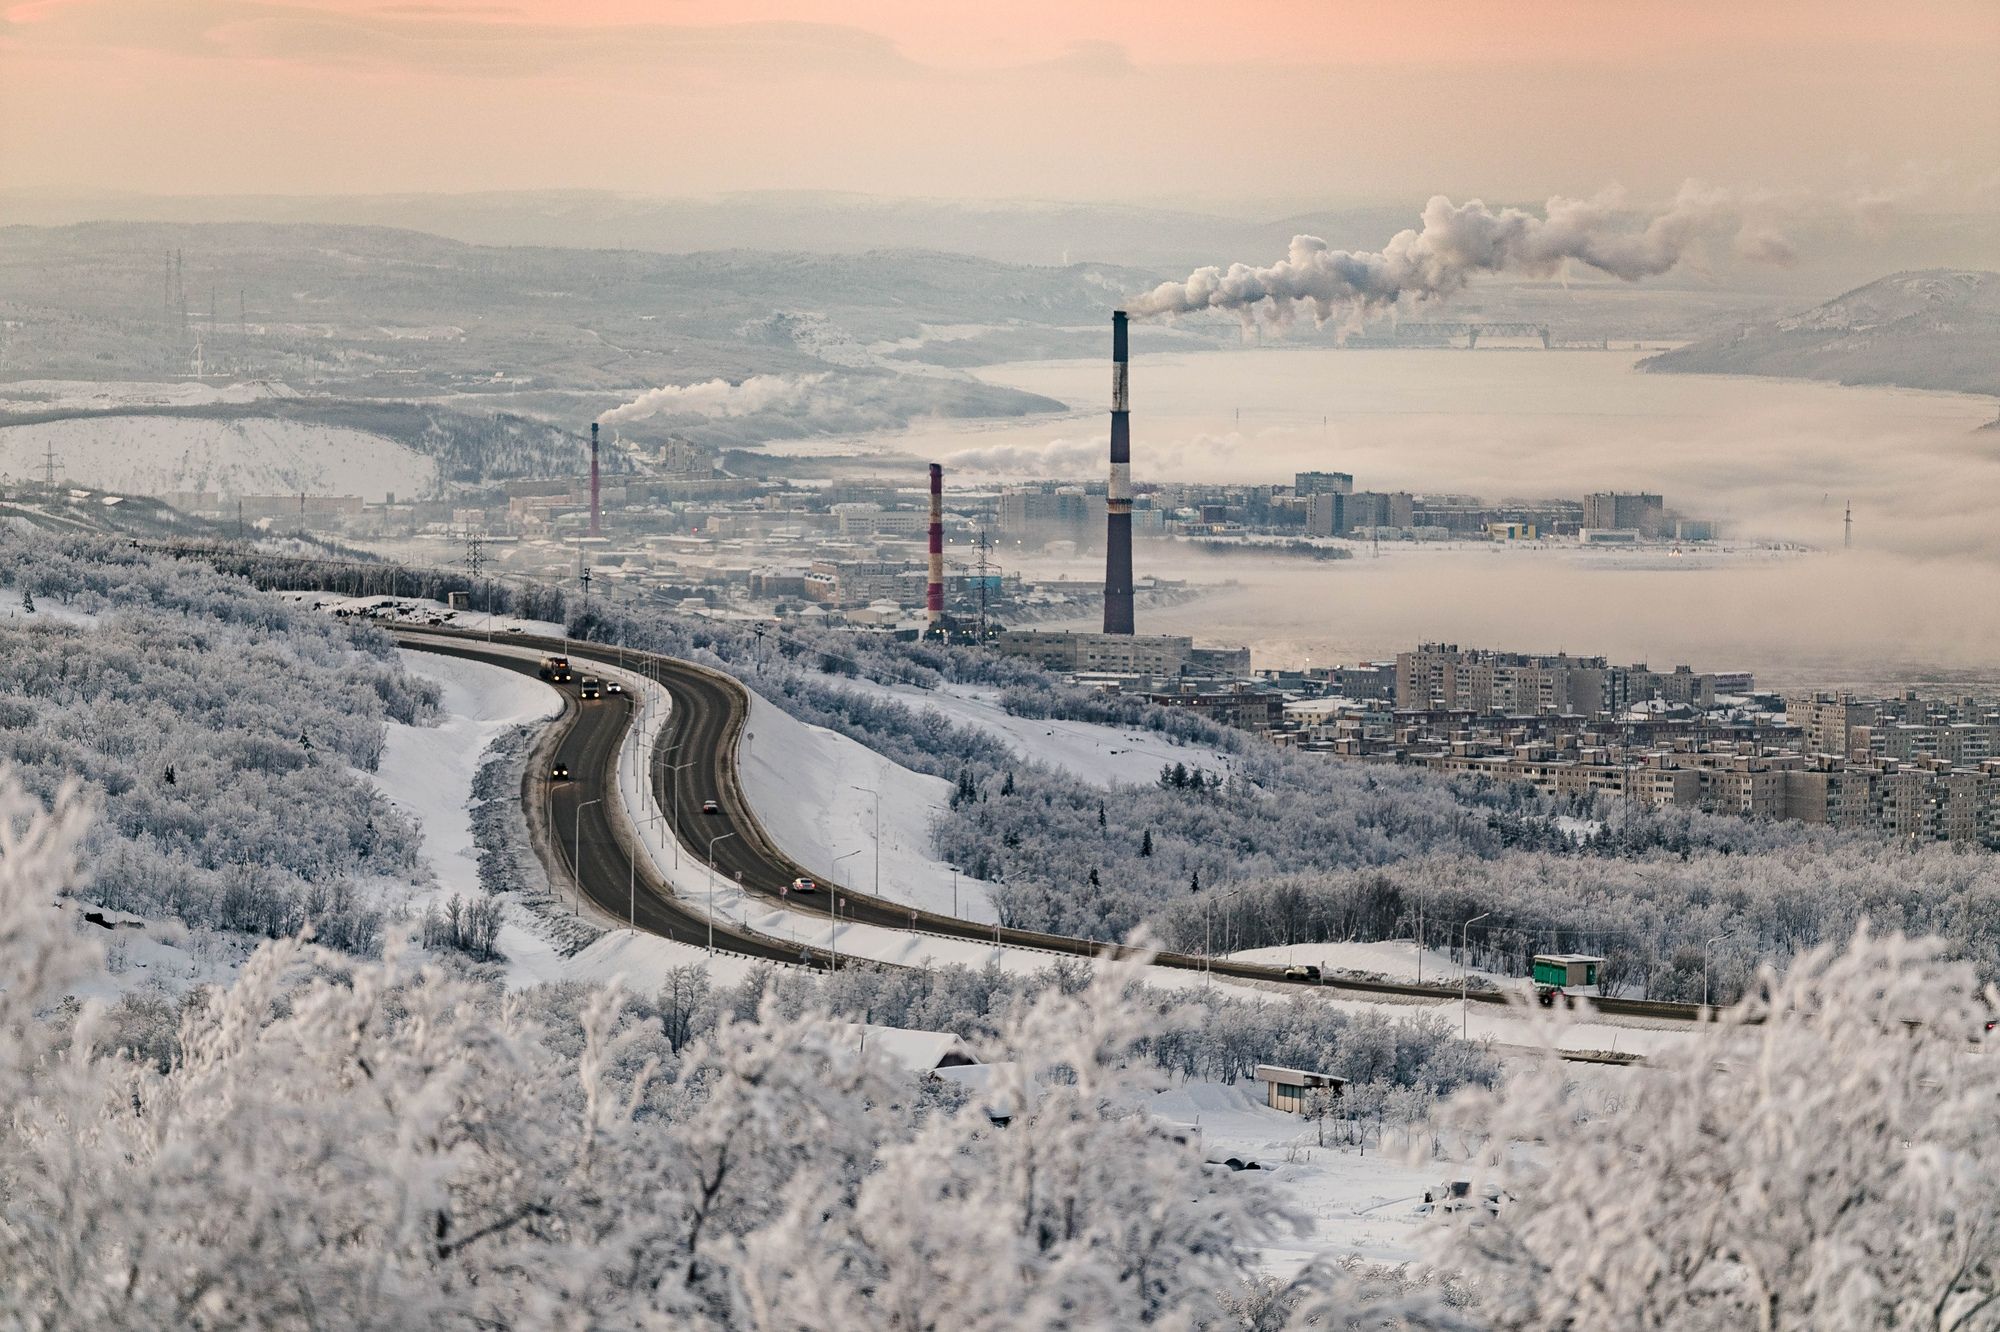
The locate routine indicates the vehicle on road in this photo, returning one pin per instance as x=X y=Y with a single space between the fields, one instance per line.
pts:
x=613 y=687
x=804 y=886
x=555 y=670
x=1302 y=973
x=559 y=772
x=710 y=807
x=590 y=687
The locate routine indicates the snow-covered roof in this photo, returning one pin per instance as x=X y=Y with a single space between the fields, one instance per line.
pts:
x=1297 y=1077
x=917 y=1051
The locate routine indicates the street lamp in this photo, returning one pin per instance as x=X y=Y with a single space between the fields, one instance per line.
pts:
x=672 y=836
x=576 y=847
x=719 y=837
x=1704 y=962
x=954 y=891
x=832 y=890
x=1465 y=972
x=878 y=834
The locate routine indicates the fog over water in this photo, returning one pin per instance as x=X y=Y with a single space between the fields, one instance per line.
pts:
x=1771 y=460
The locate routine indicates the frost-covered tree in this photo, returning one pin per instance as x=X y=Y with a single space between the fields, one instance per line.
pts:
x=335 y=1142
x=1836 y=1165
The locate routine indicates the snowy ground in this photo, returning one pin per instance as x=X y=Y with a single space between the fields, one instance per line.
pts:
x=1354 y=1201
x=421 y=610
x=812 y=789
x=428 y=772
x=1101 y=755
x=11 y=605
x=1391 y=959
x=79 y=395
x=151 y=455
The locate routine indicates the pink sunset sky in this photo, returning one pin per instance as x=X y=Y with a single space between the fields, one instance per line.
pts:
x=1147 y=100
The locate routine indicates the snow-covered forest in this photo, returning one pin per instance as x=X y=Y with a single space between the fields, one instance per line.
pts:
x=221 y=730
x=331 y=1141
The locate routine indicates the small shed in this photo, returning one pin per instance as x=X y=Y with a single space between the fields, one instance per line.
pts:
x=1563 y=971
x=1285 y=1088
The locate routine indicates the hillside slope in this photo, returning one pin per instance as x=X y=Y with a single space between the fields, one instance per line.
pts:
x=1935 y=329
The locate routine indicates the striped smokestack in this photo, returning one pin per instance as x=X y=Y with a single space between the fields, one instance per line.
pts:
x=1118 y=496
x=593 y=479
x=934 y=589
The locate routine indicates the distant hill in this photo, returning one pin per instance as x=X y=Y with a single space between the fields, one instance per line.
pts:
x=1935 y=329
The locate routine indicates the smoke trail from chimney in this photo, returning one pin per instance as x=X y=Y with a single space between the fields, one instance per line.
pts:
x=1460 y=241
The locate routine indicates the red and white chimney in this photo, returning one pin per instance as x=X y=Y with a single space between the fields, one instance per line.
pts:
x=934 y=589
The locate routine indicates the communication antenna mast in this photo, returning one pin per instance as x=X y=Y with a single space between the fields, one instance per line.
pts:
x=475 y=552
x=983 y=546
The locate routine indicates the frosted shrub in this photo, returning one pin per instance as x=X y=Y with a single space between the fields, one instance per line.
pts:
x=1836 y=1166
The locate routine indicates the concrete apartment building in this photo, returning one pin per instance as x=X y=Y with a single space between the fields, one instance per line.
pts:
x=1106 y=654
x=860 y=582
x=1638 y=512
x=1829 y=721
x=1037 y=514
x=1322 y=483
x=1441 y=675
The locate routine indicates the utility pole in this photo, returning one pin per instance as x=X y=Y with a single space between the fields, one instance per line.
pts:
x=984 y=545
x=51 y=465
x=1849 y=544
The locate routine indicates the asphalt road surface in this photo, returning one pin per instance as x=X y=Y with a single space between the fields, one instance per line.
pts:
x=580 y=824
x=708 y=712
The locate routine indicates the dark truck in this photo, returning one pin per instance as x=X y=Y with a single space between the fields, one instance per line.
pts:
x=555 y=670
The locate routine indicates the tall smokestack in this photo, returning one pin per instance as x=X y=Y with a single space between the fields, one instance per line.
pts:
x=1118 y=497
x=934 y=589
x=593 y=479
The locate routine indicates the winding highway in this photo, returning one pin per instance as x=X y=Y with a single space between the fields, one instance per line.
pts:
x=694 y=762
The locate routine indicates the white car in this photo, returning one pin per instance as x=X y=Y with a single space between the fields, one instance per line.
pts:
x=804 y=886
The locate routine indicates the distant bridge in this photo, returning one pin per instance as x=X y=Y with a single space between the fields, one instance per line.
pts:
x=1471 y=332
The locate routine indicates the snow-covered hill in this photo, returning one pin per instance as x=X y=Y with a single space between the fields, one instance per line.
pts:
x=247 y=456
x=1934 y=329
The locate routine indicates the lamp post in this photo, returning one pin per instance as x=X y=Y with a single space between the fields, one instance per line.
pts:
x=660 y=803
x=1708 y=944
x=719 y=837
x=832 y=891
x=954 y=891
x=878 y=834
x=671 y=835
x=1465 y=972
x=576 y=849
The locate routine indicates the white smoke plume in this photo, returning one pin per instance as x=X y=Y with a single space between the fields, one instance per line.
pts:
x=718 y=398
x=1460 y=241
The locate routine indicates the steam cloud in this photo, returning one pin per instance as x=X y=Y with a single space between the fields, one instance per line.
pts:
x=718 y=398
x=1459 y=241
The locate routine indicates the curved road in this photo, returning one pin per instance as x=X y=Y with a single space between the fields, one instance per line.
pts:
x=708 y=713
x=579 y=824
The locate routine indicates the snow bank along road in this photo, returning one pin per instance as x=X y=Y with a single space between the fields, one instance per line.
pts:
x=710 y=711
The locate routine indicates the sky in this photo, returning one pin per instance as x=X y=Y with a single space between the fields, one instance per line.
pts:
x=1151 y=101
